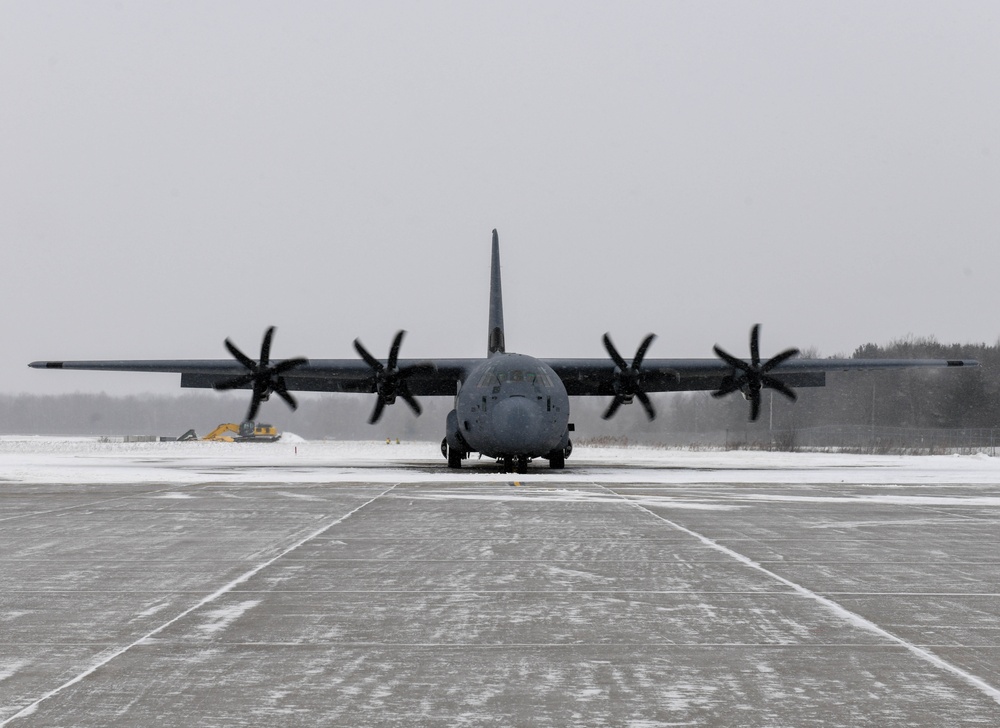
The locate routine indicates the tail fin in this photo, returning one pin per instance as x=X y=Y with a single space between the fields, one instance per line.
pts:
x=496 y=339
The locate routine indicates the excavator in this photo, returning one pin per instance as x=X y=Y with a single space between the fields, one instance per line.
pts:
x=247 y=431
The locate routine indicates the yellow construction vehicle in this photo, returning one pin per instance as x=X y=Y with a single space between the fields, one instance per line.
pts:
x=243 y=432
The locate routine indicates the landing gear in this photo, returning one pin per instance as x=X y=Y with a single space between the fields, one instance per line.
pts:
x=511 y=464
x=453 y=456
x=557 y=458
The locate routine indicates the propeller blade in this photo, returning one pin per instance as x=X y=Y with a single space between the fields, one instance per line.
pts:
x=240 y=356
x=377 y=412
x=730 y=359
x=426 y=368
x=287 y=396
x=612 y=408
x=389 y=381
x=411 y=400
x=394 y=350
x=281 y=389
x=265 y=347
x=264 y=377
x=779 y=359
x=613 y=353
x=364 y=354
x=254 y=406
x=641 y=353
x=627 y=379
x=646 y=405
x=284 y=366
x=730 y=385
x=780 y=386
x=754 y=374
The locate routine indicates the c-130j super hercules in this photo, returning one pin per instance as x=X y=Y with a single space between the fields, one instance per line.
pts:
x=512 y=407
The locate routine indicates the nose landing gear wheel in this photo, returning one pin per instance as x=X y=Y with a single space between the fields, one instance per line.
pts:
x=512 y=464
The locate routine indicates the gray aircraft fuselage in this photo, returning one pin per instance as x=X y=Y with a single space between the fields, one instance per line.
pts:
x=513 y=405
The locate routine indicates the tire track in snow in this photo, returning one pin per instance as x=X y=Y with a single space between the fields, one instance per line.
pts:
x=222 y=591
x=829 y=604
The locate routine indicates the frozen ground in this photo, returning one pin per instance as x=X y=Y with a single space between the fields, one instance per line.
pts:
x=303 y=583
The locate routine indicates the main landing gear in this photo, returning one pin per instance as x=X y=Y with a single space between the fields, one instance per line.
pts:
x=453 y=456
x=508 y=463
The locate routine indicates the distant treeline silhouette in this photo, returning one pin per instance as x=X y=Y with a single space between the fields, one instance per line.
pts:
x=933 y=398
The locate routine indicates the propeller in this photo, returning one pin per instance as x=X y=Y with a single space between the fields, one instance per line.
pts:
x=390 y=381
x=263 y=376
x=754 y=376
x=628 y=378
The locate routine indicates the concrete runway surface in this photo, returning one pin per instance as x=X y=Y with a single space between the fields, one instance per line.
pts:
x=152 y=587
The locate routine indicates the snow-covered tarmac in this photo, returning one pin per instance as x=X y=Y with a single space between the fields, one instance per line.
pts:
x=305 y=583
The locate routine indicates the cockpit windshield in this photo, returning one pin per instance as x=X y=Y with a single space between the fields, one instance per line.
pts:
x=494 y=376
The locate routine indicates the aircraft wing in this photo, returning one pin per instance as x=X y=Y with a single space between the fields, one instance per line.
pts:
x=597 y=376
x=440 y=377
x=426 y=377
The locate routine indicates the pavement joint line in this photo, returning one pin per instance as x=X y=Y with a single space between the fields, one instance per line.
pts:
x=222 y=591
x=941 y=511
x=828 y=603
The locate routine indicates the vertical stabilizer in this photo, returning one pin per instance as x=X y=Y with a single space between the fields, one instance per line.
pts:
x=496 y=342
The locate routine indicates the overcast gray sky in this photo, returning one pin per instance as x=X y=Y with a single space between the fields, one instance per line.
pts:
x=175 y=173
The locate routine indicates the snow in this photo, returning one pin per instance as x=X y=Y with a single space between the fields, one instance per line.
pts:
x=90 y=460
x=220 y=619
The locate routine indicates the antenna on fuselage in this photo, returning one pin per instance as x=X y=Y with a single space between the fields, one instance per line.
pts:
x=495 y=344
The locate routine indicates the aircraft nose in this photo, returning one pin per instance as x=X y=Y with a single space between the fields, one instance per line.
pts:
x=515 y=424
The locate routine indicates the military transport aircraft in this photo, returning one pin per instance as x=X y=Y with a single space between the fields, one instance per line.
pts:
x=511 y=407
